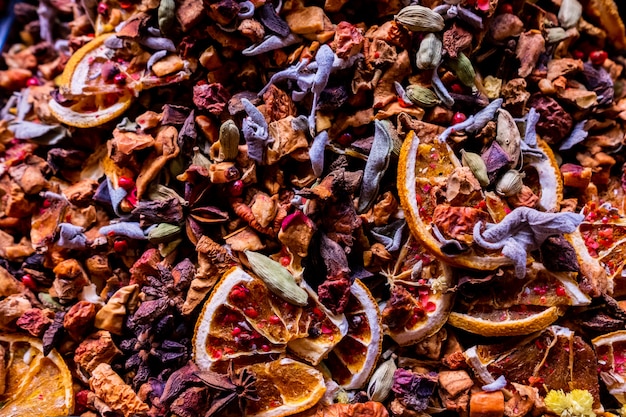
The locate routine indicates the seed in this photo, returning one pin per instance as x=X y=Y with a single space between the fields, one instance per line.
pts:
x=236 y=331
x=251 y=312
x=275 y=319
x=120 y=246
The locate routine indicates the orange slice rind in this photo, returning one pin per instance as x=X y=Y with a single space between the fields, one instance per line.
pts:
x=352 y=361
x=505 y=322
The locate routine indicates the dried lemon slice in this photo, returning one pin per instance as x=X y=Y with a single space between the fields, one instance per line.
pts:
x=36 y=385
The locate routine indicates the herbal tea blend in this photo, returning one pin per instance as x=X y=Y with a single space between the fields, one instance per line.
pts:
x=348 y=208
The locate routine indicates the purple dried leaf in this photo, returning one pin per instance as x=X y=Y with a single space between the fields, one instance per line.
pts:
x=53 y=333
x=71 y=237
x=577 y=135
x=131 y=230
x=157 y=43
x=376 y=165
x=271 y=43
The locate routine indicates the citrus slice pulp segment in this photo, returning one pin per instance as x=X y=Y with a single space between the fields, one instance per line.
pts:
x=491 y=321
x=428 y=307
x=263 y=310
x=37 y=386
x=611 y=351
x=215 y=328
x=235 y=337
x=97 y=113
x=416 y=172
x=285 y=387
x=325 y=330
x=352 y=361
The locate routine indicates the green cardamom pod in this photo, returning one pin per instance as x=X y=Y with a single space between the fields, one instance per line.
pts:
x=420 y=19
x=229 y=140
x=510 y=184
x=429 y=54
x=381 y=381
x=422 y=96
x=570 y=13
x=166 y=15
x=162 y=233
x=463 y=69
x=476 y=164
x=277 y=278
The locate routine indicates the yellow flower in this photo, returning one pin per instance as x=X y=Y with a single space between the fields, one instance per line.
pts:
x=577 y=403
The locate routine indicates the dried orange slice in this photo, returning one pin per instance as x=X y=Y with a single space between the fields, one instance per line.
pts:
x=420 y=303
x=36 y=385
x=227 y=329
x=92 y=101
x=424 y=168
x=601 y=245
x=352 y=361
x=513 y=321
x=243 y=318
x=555 y=359
x=285 y=387
x=325 y=330
x=611 y=351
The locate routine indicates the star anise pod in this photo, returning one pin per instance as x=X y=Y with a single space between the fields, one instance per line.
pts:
x=237 y=385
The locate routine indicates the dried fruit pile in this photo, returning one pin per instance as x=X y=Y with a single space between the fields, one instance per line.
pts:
x=340 y=208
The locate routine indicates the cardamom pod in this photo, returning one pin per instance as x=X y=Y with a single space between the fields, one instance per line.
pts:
x=420 y=19
x=429 y=54
x=164 y=232
x=508 y=136
x=229 y=140
x=166 y=15
x=277 y=278
x=422 y=96
x=510 y=184
x=476 y=164
x=381 y=381
x=569 y=13
x=463 y=69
